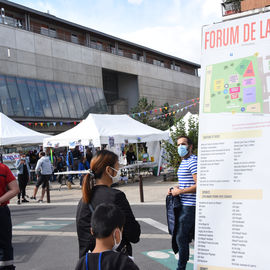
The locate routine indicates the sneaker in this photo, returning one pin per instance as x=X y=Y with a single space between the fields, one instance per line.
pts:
x=18 y=202
x=24 y=200
x=33 y=198
x=40 y=201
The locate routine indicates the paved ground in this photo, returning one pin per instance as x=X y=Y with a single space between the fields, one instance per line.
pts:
x=45 y=234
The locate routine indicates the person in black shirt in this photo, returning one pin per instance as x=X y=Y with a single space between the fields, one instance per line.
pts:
x=96 y=190
x=131 y=157
x=106 y=226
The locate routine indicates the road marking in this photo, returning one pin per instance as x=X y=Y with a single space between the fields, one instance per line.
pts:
x=55 y=218
x=74 y=234
x=43 y=225
x=154 y=223
x=149 y=221
x=169 y=259
x=36 y=204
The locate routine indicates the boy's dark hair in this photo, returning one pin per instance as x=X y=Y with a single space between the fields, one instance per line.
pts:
x=42 y=154
x=105 y=219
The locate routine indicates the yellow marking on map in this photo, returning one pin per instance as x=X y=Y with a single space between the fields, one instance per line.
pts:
x=254 y=108
x=232 y=194
x=256 y=54
x=233 y=135
x=233 y=112
x=219 y=85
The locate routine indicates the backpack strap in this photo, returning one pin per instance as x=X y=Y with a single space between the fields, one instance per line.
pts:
x=91 y=208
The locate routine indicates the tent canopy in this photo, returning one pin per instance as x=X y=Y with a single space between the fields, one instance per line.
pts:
x=100 y=128
x=12 y=133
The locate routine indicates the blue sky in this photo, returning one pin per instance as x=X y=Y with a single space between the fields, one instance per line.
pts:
x=169 y=26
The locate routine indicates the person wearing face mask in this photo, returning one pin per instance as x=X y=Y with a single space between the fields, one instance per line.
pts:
x=96 y=190
x=107 y=227
x=186 y=189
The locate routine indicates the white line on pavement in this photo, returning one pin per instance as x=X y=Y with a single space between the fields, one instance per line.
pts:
x=154 y=223
x=74 y=234
x=35 y=204
x=55 y=218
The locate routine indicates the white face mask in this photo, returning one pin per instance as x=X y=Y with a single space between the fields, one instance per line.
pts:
x=116 y=245
x=116 y=178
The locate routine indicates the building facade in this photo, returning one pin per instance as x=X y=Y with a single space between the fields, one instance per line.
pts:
x=52 y=70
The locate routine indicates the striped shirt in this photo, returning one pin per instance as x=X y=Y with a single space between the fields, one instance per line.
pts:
x=187 y=168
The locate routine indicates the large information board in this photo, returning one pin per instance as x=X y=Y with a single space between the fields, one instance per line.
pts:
x=233 y=194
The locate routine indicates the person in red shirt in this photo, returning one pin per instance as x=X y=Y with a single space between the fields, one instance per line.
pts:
x=8 y=189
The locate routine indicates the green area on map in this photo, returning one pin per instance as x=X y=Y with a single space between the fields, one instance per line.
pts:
x=233 y=86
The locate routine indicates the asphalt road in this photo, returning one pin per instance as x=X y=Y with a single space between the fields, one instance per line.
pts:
x=44 y=237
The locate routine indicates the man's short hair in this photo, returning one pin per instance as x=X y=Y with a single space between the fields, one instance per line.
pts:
x=42 y=154
x=105 y=219
x=189 y=141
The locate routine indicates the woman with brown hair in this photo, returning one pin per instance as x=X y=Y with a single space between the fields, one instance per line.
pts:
x=96 y=190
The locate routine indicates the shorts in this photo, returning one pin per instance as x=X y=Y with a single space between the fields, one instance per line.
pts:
x=43 y=180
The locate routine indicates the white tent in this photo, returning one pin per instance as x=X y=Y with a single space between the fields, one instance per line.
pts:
x=12 y=133
x=104 y=129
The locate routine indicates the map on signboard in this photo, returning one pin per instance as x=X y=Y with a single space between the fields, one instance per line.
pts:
x=238 y=86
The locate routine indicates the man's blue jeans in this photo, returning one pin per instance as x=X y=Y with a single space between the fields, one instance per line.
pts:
x=186 y=223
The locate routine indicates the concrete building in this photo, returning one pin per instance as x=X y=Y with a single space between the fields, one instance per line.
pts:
x=52 y=70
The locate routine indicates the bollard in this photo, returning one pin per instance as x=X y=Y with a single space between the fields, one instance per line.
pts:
x=48 y=192
x=141 y=188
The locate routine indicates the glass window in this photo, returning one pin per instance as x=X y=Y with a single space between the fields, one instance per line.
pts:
x=44 y=99
x=53 y=100
x=83 y=98
x=70 y=104
x=61 y=100
x=25 y=98
x=102 y=100
x=33 y=91
x=4 y=97
x=14 y=96
x=89 y=96
x=76 y=99
x=74 y=38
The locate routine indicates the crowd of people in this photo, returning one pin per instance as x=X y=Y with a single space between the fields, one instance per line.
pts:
x=106 y=225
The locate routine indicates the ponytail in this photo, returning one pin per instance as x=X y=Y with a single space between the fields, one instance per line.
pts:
x=88 y=184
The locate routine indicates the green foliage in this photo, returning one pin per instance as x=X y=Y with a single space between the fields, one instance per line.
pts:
x=163 y=123
x=179 y=129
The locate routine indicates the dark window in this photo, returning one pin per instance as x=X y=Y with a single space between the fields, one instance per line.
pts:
x=25 y=98
x=70 y=104
x=33 y=91
x=44 y=99
x=83 y=98
x=53 y=100
x=4 y=97
x=76 y=99
x=14 y=96
x=61 y=100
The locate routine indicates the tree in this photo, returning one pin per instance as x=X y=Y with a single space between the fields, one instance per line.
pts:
x=143 y=107
x=147 y=114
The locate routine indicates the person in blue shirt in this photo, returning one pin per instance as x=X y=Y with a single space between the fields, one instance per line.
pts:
x=22 y=165
x=83 y=165
x=70 y=164
x=186 y=189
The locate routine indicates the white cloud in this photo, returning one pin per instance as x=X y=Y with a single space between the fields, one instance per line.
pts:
x=135 y=2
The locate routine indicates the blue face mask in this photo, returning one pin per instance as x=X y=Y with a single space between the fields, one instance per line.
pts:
x=182 y=150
